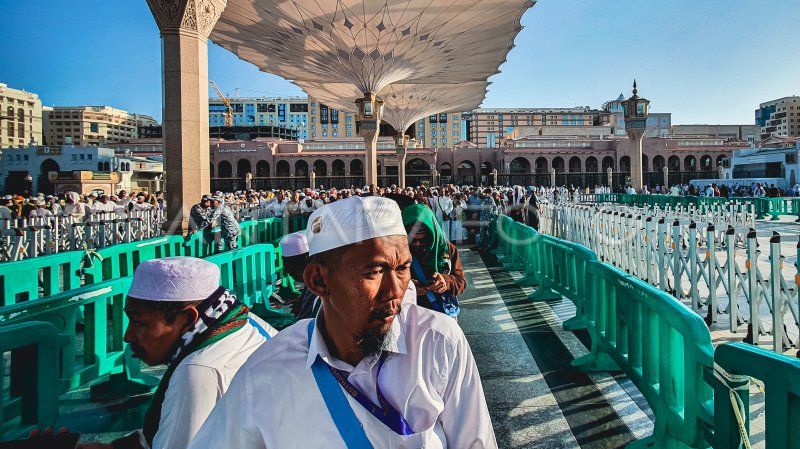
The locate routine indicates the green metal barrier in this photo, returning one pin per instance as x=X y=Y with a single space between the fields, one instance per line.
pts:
x=661 y=345
x=562 y=272
x=33 y=278
x=250 y=274
x=270 y=230
x=248 y=233
x=530 y=259
x=297 y=223
x=781 y=377
x=122 y=259
x=503 y=231
x=515 y=250
x=33 y=393
x=100 y=356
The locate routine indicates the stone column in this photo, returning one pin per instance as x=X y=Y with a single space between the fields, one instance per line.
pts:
x=666 y=179
x=371 y=154
x=185 y=26
x=401 y=167
x=552 y=177
x=636 y=136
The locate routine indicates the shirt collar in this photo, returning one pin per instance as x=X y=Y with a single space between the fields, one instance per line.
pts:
x=395 y=343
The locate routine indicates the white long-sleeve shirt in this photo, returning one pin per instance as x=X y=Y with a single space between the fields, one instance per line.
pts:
x=199 y=381
x=430 y=377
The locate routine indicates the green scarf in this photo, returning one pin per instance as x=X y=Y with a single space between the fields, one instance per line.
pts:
x=438 y=251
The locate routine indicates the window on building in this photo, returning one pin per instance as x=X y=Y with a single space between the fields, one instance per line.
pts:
x=10 y=128
x=94 y=127
x=349 y=134
x=21 y=130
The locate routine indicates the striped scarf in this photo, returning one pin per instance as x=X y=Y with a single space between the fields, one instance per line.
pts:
x=220 y=315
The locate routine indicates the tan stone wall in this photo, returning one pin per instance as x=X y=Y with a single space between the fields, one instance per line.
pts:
x=12 y=102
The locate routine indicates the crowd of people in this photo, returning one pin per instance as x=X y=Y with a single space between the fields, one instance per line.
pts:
x=724 y=190
x=79 y=208
x=376 y=358
x=460 y=211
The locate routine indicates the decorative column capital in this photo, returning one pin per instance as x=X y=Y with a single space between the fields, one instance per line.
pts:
x=187 y=15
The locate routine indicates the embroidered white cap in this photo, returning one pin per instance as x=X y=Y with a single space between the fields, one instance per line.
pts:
x=352 y=220
x=175 y=279
x=294 y=244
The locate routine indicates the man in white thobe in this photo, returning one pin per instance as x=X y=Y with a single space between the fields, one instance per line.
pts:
x=443 y=209
x=180 y=316
x=288 y=391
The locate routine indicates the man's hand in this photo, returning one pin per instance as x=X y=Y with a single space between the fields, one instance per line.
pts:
x=439 y=285
x=422 y=290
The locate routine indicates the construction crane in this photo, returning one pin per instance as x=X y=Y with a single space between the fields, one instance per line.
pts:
x=228 y=108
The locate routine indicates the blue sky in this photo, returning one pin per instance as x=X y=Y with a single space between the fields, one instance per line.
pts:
x=706 y=61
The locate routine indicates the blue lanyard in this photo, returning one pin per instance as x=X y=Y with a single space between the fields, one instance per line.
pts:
x=385 y=413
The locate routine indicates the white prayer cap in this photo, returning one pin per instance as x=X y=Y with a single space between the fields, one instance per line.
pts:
x=175 y=279
x=353 y=220
x=294 y=244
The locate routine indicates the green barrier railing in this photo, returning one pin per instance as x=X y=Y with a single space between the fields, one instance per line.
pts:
x=515 y=250
x=270 y=230
x=101 y=303
x=503 y=231
x=661 y=345
x=30 y=279
x=297 y=223
x=781 y=377
x=250 y=274
x=664 y=348
x=562 y=272
x=33 y=391
x=530 y=258
x=122 y=259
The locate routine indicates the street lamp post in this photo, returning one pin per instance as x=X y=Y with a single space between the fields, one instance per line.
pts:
x=402 y=152
x=368 y=118
x=636 y=112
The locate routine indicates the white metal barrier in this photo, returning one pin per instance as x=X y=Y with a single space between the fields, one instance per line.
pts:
x=710 y=261
x=40 y=236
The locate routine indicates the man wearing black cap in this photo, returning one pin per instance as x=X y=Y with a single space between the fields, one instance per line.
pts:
x=199 y=214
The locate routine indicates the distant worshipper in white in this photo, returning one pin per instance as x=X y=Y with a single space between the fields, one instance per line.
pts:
x=369 y=371
x=180 y=316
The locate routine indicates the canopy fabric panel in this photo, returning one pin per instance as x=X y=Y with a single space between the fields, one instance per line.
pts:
x=371 y=44
x=404 y=104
